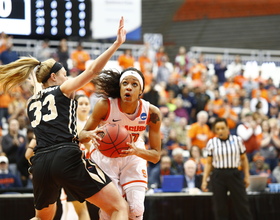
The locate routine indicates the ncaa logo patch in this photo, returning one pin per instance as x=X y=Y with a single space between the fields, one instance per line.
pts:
x=143 y=116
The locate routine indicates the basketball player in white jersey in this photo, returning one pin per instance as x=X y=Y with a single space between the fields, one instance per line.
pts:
x=121 y=104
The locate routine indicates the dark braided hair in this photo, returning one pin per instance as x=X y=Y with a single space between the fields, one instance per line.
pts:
x=108 y=82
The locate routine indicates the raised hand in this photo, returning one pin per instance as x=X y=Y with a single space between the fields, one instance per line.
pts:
x=121 y=36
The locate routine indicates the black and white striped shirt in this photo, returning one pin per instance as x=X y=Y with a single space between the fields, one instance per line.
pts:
x=225 y=153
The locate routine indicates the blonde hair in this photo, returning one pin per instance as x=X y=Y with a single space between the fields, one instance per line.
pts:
x=15 y=73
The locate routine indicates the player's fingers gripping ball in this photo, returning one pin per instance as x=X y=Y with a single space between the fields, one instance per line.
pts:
x=114 y=140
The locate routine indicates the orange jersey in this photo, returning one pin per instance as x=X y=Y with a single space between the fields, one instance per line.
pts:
x=239 y=79
x=80 y=58
x=142 y=62
x=125 y=61
x=196 y=71
x=264 y=93
x=231 y=123
x=5 y=100
x=199 y=135
x=87 y=89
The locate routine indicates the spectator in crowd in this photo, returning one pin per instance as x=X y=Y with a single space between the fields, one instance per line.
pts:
x=165 y=129
x=172 y=142
x=270 y=142
x=172 y=84
x=164 y=168
x=9 y=55
x=149 y=50
x=259 y=104
x=236 y=106
x=226 y=153
x=62 y=54
x=79 y=57
x=250 y=132
x=23 y=121
x=231 y=89
x=212 y=82
x=144 y=60
x=227 y=112
x=3 y=41
x=250 y=85
x=177 y=161
x=159 y=54
x=261 y=91
x=273 y=111
x=43 y=51
x=151 y=94
x=212 y=115
x=201 y=98
x=180 y=111
x=163 y=73
x=126 y=60
x=260 y=79
x=149 y=76
x=8 y=180
x=170 y=102
x=17 y=104
x=5 y=100
x=199 y=132
x=197 y=71
x=235 y=67
x=192 y=181
x=188 y=101
x=259 y=167
x=276 y=172
x=13 y=143
x=197 y=156
x=245 y=109
x=181 y=131
x=220 y=68
x=270 y=85
x=181 y=61
x=216 y=102
x=240 y=78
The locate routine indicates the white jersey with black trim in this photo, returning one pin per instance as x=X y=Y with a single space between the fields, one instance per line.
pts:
x=136 y=126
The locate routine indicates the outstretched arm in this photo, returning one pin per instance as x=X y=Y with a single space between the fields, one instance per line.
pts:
x=71 y=85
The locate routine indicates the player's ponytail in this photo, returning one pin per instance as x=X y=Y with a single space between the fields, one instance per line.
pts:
x=15 y=73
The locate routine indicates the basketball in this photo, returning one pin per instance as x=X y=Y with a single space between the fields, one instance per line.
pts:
x=114 y=139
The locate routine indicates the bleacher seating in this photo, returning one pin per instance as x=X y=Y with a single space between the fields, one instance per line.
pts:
x=200 y=9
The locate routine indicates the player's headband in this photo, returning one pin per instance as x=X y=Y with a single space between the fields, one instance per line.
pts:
x=55 y=68
x=135 y=74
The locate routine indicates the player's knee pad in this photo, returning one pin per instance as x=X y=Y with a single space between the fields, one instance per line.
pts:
x=135 y=197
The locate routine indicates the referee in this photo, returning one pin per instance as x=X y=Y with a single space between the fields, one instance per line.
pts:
x=226 y=153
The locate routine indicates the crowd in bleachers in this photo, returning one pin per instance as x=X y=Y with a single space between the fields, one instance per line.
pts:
x=188 y=96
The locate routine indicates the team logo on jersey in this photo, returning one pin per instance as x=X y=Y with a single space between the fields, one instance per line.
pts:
x=143 y=116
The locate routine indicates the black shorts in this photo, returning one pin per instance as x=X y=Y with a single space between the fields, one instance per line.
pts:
x=63 y=166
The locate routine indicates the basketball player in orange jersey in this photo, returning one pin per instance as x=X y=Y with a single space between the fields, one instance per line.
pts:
x=121 y=104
